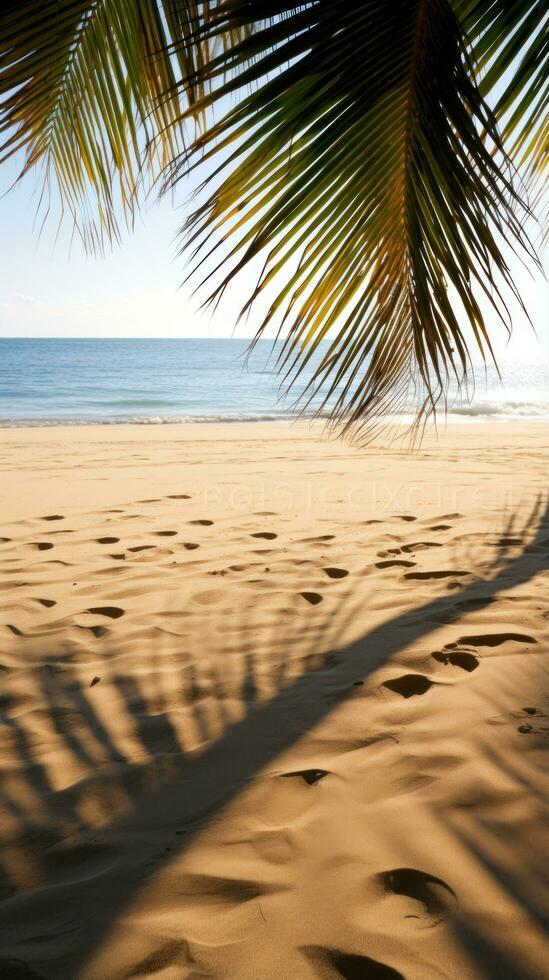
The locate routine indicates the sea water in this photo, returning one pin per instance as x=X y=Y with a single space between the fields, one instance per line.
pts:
x=71 y=381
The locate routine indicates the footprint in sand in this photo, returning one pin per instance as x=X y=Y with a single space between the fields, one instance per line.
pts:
x=53 y=517
x=446 y=573
x=279 y=798
x=440 y=527
x=15 y=630
x=406 y=517
x=43 y=545
x=141 y=547
x=312 y=597
x=491 y=640
x=409 y=685
x=533 y=717
x=203 y=522
x=268 y=535
x=527 y=717
x=107 y=540
x=178 y=496
x=165 y=534
x=395 y=563
x=459 y=658
x=190 y=546
x=4 y=540
x=407 y=549
x=333 y=963
x=309 y=776
x=47 y=603
x=318 y=538
x=431 y=899
x=113 y=612
x=336 y=572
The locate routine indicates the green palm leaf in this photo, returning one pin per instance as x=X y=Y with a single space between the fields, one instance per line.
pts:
x=83 y=89
x=510 y=42
x=366 y=173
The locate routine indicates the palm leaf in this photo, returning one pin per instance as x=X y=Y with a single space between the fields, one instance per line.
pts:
x=83 y=88
x=510 y=43
x=365 y=174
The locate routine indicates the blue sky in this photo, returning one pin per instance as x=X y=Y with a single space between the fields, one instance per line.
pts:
x=49 y=289
x=135 y=289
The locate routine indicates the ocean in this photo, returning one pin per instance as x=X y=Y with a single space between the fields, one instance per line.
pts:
x=74 y=381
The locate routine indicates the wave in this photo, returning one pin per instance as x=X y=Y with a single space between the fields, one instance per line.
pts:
x=508 y=409
x=138 y=402
x=12 y=423
x=475 y=411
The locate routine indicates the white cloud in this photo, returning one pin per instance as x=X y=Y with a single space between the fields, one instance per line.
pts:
x=22 y=298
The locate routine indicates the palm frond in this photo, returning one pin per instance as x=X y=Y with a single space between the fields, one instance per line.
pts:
x=83 y=88
x=362 y=168
x=510 y=45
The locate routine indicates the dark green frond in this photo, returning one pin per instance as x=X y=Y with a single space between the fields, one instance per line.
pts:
x=83 y=88
x=510 y=45
x=363 y=170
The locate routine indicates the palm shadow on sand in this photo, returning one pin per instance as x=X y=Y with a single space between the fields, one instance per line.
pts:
x=182 y=792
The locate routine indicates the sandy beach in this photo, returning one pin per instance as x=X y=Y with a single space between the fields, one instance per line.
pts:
x=273 y=707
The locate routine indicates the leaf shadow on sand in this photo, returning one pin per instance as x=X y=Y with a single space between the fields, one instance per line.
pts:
x=179 y=791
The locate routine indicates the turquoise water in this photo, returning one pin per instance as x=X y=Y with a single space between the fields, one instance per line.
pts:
x=71 y=381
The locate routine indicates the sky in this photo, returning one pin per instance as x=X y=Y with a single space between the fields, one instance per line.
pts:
x=47 y=289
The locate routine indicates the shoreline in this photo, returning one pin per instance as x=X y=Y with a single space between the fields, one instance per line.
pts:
x=451 y=419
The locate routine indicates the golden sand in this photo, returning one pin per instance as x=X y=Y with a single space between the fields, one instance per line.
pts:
x=273 y=707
